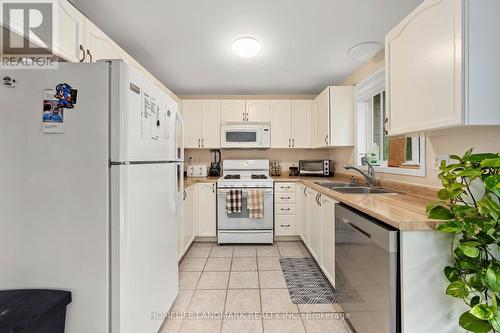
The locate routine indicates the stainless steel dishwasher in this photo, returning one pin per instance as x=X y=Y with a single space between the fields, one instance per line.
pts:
x=367 y=271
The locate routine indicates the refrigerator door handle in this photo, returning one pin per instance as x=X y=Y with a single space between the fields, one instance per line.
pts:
x=180 y=150
x=180 y=192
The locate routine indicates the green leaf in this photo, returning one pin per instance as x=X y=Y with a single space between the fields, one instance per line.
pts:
x=492 y=183
x=482 y=311
x=473 y=324
x=493 y=280
x=451 y=227
x=443 y=194
x=469 y=251
x=474 y=301
x=471 y=173
x=455 y=157
x=479 y=157
x=451 y=273
x=440 y=213
x=491 y=163
x=457 y=289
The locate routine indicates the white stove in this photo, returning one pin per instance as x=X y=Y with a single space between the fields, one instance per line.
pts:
x=239 y=227
x=245 y=174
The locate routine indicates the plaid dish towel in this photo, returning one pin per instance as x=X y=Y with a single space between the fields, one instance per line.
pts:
x=255 y=204
x=233 y=201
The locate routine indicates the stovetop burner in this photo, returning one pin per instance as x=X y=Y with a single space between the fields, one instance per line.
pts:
x=259 y=177
x=232 y=177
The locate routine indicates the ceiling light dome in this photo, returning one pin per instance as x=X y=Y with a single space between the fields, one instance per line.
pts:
x=364 y=51
x=246 y=46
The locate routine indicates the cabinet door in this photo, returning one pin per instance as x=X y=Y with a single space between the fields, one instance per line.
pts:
x=321 y=119
x=99 y=45
x=281 y=124
x=423 y=68
x=285 y=225
x=190 y=216
x=69 y=35
x=328 y=241
x=258 y=110
x=180 y=226
x=206 y=210
x=299 y=195
x=210 y=124
x=315 y=227
x=191 y=115
x=341 y=116
x=232 y=110
x=305 y=217
x=301 y=123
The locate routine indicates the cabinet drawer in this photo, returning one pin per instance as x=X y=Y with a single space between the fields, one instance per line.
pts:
x=284 y=187
x=284 y=197
x=285 y=225
x=284 y=209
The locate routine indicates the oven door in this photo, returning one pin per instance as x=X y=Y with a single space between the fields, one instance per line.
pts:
x=241 y=221
x=241 y=136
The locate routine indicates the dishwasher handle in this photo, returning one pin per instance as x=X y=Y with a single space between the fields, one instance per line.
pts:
x=358 y=229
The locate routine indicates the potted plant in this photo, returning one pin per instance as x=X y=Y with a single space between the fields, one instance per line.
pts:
x=469 y=205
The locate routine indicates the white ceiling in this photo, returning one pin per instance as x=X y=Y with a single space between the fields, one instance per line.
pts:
x=187 y=43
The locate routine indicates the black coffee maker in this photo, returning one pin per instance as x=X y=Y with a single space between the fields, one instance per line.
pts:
x=215 y=165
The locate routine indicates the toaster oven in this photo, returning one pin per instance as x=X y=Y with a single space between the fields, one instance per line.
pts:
x=319 y=168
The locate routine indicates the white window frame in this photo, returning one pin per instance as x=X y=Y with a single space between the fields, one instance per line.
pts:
x=365 y=89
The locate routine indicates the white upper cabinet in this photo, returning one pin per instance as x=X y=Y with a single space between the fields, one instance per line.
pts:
x=69 y=35
x=301 y=123
x=99 y=46
x=201 y=123
x=442 y=67
x=291 y=123
x=281 y=124
x=258 y=110
x=232 y=110
x=333 y=114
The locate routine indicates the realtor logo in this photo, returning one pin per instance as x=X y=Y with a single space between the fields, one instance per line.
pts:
x=27 y=34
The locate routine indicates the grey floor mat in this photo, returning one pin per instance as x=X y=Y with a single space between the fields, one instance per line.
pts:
x=308 y=285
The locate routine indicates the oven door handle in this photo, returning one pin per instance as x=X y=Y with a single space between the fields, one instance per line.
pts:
x=224 y=191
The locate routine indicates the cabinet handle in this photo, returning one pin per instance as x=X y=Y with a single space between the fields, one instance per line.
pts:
x=326 y=139
x=184 y=196
x=203 y=142
x=293 y=143
x=285 y=225
x=243 y=115
x=82 y=50
x=289 y=143
x=285 y=187
x=285 y=209
x=213 y=188
x=285 y=198
x=199 y=143
x=89 y=54
x=386 y=121
x=305 y=193
x=319 y=199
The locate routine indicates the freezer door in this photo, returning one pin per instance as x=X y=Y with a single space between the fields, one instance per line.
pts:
x=143 y=246
x=143 y=118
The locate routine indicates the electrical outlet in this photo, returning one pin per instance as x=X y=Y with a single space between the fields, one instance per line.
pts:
x=436 y=160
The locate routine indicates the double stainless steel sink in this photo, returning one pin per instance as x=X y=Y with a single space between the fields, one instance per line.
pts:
x=352 y=188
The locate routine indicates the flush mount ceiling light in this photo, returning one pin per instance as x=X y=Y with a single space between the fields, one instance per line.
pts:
x=364 y=51
x=246 y=46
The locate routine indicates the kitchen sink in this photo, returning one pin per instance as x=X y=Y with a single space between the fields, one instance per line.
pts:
x=352 y=188
x=335 y=185
x=361 y=190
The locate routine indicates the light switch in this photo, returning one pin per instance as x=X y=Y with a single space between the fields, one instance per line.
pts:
x=437 y=158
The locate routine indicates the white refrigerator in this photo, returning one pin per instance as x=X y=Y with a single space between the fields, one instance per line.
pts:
x=92 y=209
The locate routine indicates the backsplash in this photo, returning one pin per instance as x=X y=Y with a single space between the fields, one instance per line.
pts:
x=287 y=157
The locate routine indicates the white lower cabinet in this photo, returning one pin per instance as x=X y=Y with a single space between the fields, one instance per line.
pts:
x=197 y=216
x=206 y=210
x=328 y=237
x=285 y=216
x=316 y=227
x=188 y=219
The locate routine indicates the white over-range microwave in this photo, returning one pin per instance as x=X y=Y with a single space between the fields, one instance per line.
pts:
x=246 y=135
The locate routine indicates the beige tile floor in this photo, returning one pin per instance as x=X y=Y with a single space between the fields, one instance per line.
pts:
x=241 y=289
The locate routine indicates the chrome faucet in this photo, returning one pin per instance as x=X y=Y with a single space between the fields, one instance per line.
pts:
x=369 y=176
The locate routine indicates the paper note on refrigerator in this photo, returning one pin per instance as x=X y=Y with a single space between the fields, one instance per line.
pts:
x=52 y=114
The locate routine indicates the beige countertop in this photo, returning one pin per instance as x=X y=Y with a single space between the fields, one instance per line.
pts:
x=401 y=210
